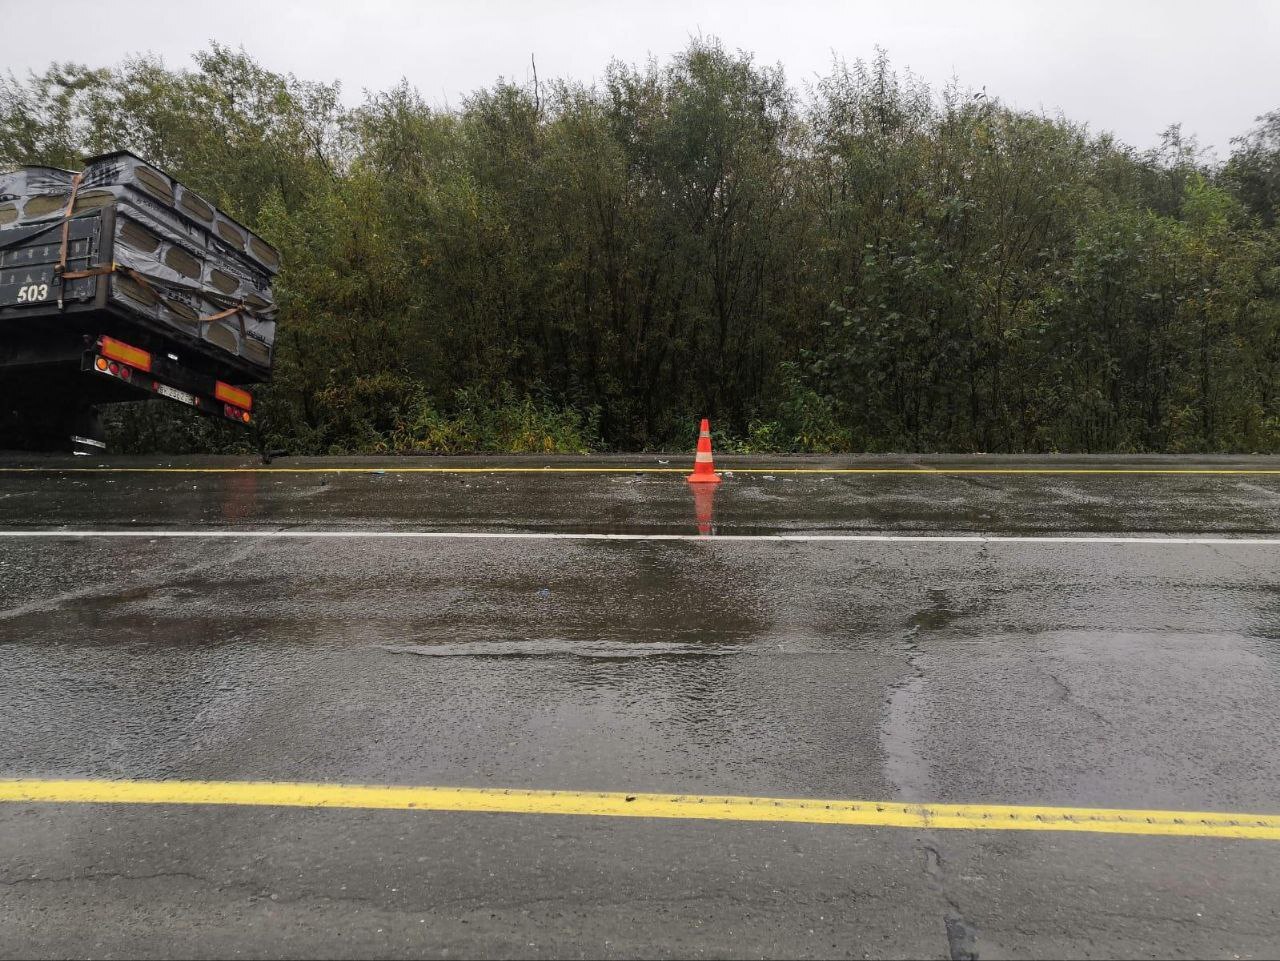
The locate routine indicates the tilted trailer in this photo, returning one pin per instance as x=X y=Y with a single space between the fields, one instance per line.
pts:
x=118 y=283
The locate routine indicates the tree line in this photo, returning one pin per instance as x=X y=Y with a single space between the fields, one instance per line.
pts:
x=869 y=264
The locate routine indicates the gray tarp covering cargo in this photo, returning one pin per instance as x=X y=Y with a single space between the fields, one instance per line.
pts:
x=143 y=248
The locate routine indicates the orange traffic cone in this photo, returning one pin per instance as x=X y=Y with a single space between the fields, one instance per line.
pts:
x=704 y=469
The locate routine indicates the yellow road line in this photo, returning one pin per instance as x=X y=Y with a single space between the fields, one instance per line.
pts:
x=937 y=471
x=979 y=817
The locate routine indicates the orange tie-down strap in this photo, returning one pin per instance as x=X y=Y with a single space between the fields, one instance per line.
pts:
x=61 y=269
x=239 y=308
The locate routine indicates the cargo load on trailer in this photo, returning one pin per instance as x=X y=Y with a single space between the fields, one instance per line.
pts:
x=120 y=254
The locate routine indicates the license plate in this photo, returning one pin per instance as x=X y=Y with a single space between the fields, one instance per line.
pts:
x=174 y=394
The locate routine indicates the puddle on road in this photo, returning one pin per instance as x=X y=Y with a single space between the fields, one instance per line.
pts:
x=939 y=615
x=563 y=648
x=905 y=763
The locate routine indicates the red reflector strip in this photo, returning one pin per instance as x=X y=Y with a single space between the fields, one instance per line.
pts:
x=233 y=395
x=126 y=354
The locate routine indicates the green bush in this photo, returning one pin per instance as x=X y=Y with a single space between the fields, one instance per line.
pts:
x=501 y=423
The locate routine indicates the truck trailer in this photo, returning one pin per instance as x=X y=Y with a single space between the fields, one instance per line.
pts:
x=118 y=283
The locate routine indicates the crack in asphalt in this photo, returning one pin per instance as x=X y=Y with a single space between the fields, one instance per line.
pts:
x=904 y=766
x=961 y=936
x=1067 y=696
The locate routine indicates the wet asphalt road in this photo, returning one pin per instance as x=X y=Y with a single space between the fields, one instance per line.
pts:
x=1133 y=676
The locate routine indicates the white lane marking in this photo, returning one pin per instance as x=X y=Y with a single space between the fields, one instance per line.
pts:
x=704 y=538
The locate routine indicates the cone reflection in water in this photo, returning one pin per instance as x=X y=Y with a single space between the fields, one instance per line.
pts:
x=704 y=469
x=704 y=504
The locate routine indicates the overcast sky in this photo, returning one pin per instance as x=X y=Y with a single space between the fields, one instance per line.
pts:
x=1128 y=66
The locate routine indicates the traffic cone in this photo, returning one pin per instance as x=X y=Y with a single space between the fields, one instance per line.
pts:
x=704 y=469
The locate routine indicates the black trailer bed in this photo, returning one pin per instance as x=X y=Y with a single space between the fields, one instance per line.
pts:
x=36 y=330
x=146 y=260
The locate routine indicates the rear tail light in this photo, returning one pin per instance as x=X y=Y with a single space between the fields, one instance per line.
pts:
x=114 y=369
